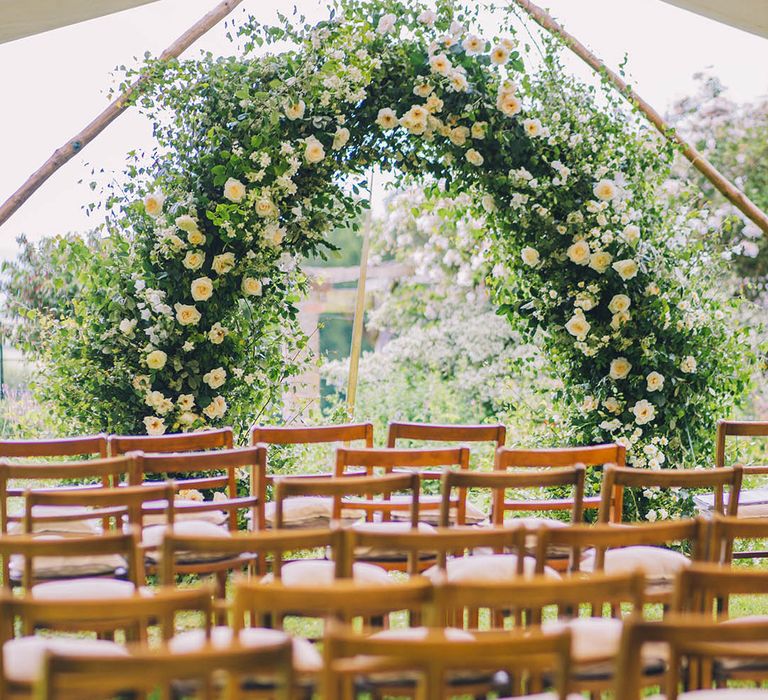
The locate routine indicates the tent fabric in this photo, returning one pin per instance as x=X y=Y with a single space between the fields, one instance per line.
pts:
x=20 y=18
x=749 y=15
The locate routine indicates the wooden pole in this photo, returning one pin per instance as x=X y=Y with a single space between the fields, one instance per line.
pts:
x=357 y=323
x=721 y=183
x=113 y=111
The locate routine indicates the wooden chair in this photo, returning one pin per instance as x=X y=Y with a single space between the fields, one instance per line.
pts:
x=727 y=530
x=312 y=434
x=69 y=677
x=579 y=604
x=500 y=482
x=437 y=654
x=218 y=439
x=691 y=640
x=85 y=446
x=21 y=660
x=596 y=456
x=99 y=472
x=641 y=546
x=714 y=479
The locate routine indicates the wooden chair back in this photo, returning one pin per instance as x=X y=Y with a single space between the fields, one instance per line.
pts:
x=348 y=653
x=595 y=456
x=107 y=472
x=312 y=434
x=220 y=438
x=341 y=488
x=737 y=429
x=218 y=470
x=690 y=640
x=83 y=446
x=717 y=480
x=704 y=588
x=726 y=530
x=148 y=670
x=499 y=482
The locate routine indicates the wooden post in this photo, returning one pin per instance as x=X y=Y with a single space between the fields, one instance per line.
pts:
x=721 y=183
x=78 y=142
x=357 y=324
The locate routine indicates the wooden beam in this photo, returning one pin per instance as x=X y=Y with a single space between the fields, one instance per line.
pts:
x=113 y=111
x=732 y=193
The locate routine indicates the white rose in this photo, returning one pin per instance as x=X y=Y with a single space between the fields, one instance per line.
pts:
x=274 y=235
x=387 y=118
x=578 y=252
x=215 y=378
x=619 y=303
x=688 y=365
x=153 y=203
x=620 y=368
x=187 y=418
x=530 y=256
x=313 y=151
x=434 y=104
x=459 y=81
x=141 y=382
x=644 y=412
x=473 y=44
x=532 y=127
x=478 y=130
x=508 y=104
x=474 y=157
x=202 y=289
x=655 y=381
x=234 y=190
x=187 y=314
x=508 y=43
x=250 y=286
x=422 y=90
x=488 y=204
x=154 y=425
x=612 y=405
x=223 y=263
x=631 y=234
x=196 y=237
x=216 y=409
x=578 y=326
x=295 y=110
x=156 y=359
x=217 y=333
x=186 y=223
x=606 y=190
x=193 y=260
x=185 y=402
x=386 y=24
x=127 y=326
x=627 y=269
x=427 y=18
x=600 y=260
x=459 y=135
x=440 y=64
x=266 y=208
x=340 y=138
x=499 y=54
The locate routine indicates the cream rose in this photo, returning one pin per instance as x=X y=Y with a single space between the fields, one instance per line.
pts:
x=215 y=378
x=688 y=365
x=196 y=237
x=153 y=203
x=202 y=289
x=644 y=411
x=655 y=381
x=185 y=402
x=217 y=333
x=266 y=208
x=187 y=314
x=193 y=260
x=127 y=326
x=156 y=359
x=459 y=135
x=578 y=326
x=154 y=425
x=440 y=63
x=612 y=405
x=627 y=269
x=606 y=190
x=478 y=130
x=459 y=81
x=600 y=260
x=274 y=235
x=340 y=138
x=234 y=190
x=508 y=104
x=386 y=24
x=427 y=18
x=216 y=409
x=620 y=368
x=530 y=256
x=474 y=157
x=473 y=44
x=619 y=303
x=499 y=55
x=251 y=287
x=295 y=110
x=631 y=234
x=579 y=252
x=422 y=90
x=386 y=118
x=187 y=418
x=314 y=151
x=532 y=127
x=223 y=263
x=186 y=223
x=141 y=382
x=433 y=104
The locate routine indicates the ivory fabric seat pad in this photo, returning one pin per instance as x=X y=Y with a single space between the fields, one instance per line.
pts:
x=658 y=564
x=375 y=553
x=306 y=658
x=320 y=572
x=487 y=567
x=67 y=567
x=83 y=589
x=217 y=517
x=153 y=535
x=87 y=526
x=533 y=523
x=308 y=512
x=23 y=657
x=730 y=664
x=431 y=514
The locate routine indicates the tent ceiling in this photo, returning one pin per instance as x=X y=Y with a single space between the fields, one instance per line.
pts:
x=749 y=15
x=20 y=18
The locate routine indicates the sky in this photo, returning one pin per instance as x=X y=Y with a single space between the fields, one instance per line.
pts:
x=54 y=83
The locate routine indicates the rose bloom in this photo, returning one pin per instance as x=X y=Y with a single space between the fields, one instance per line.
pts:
x=234 y=190
x=532 y=127
x=187 y=314
x=223 y=263
x=295 y=110
x=578 y=252
x=499 y=55
x=600 y=260
x=508 y=104
x=644 y=412
x=156 y=359
x=434 y=104
x=186 y=223
x=458 y=81
x=185 y=401
x=251 y=287
x=154 y=425
x=202 y=289
x=440 y=64
x=508 y=43
x=474 y=157
x=606 y=190
x=216 y=409
x=274 y=235
x=619 y=368
x=217 y=333
x=631 y=234
x=619 y=303
x=340 y=138
x=386 y=118
x=655 y=381
x=618 y=319
x=314 y=151
x=187 y=418
x=473 y=44
x=141 y=382
x=196 y=237
x=386 y=24
x=422 y=90
x=530 y=256
x=127 y=325
x=153 y=203
x=488 y=204
x=478 y=130
x=266 y=208
x=427 y=18
x=215 y=378
x=193 y=260
x=612 y=405
x=688 y=365
x=578 y=326
x=627 y=269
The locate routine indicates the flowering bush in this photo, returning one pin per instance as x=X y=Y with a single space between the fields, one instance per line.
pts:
x=260 y=155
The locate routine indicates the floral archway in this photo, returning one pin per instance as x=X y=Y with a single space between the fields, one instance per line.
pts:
x=192 y=320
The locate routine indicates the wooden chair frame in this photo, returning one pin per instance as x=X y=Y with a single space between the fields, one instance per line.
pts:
x=726 y=529
x=82 y=446
x=739 y=428
x=312 y=434
x=220 y=438
x=432 y=432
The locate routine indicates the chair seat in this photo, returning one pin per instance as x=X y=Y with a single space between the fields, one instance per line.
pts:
x=378 y=554
x=153 y=535
x=659 y=565
x=83 y=589
x=52 y=567
x=72 y=527
x=592 y=638
x=306 y=658
x=217 y=517
x=305 y=512
x=320 y=572
x=23 y=657
x=486 y=567
x=429 y=511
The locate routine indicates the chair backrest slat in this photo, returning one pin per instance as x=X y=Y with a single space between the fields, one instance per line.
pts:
x=220 y=438
x=312 y=434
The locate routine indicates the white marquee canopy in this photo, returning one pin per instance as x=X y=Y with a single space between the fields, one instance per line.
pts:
x=749 y=15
